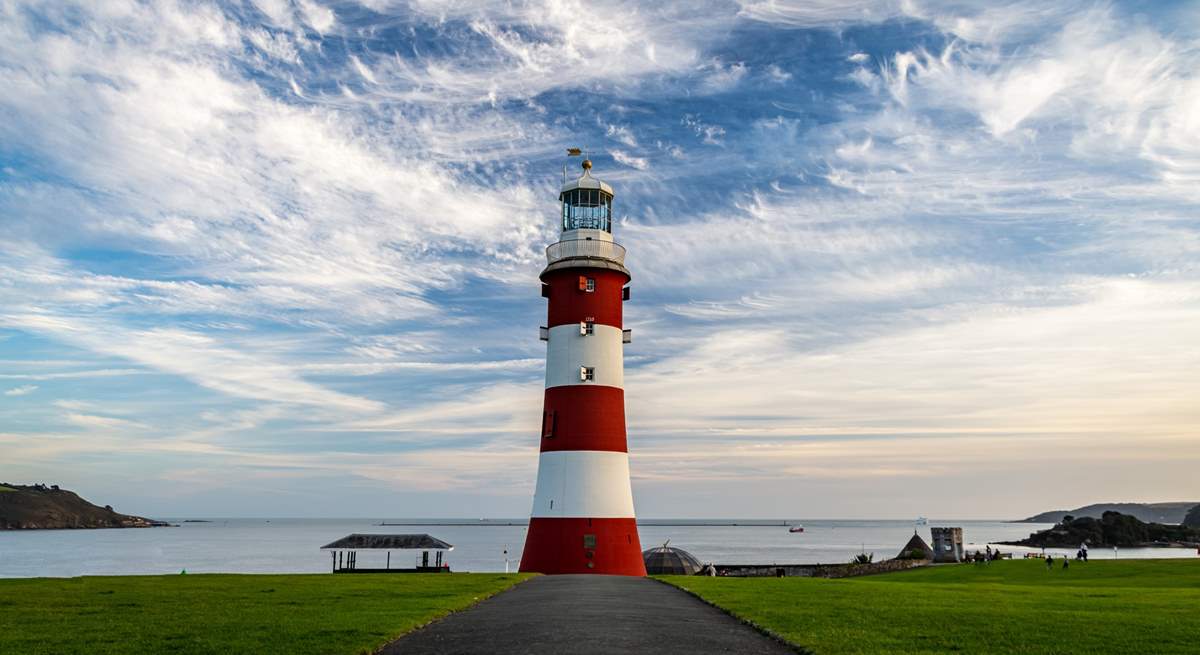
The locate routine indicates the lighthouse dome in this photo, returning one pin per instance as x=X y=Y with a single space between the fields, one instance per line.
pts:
x=586 y=202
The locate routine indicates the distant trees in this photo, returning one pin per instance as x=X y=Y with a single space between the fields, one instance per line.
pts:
x=1111 y=529
x=1192 y=520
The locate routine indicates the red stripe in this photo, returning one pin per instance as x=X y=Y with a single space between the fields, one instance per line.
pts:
x=584 y=417
x=570 y=305
x=554 y=546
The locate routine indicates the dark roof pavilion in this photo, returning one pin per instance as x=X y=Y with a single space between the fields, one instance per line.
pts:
x=389 y=542
x=915 y=544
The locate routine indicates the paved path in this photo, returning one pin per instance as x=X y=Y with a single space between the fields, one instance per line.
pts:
x=588 y=614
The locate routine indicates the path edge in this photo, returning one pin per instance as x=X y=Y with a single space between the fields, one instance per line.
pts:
x=766 y=632
x=402 y=635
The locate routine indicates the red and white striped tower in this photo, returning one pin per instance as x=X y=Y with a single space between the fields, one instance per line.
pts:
x=582 y=520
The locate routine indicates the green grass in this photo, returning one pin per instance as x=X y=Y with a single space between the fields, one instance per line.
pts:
x=292 y=614
x=4 y=488
x=1136 y=606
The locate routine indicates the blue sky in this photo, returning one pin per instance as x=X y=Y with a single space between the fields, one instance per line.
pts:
x=890 y=258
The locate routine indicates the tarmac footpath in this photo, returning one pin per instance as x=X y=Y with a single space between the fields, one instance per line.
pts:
x=567 y=614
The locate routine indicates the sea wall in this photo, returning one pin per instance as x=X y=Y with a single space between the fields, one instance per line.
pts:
x=817 y=570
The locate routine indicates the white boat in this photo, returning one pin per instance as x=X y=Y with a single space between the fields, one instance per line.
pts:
x=921 y=520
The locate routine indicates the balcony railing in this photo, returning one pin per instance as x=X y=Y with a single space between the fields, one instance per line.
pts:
x=586 y=248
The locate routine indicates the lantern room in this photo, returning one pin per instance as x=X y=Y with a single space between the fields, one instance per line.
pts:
x=586 y=203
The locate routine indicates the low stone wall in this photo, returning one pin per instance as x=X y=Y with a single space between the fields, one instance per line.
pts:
x=817 y=570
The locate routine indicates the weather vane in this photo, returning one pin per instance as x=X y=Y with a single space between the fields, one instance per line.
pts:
x=577 y=152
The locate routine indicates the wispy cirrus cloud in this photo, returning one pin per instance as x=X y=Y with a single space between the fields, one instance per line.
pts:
x=297 y=240
x=22 y=390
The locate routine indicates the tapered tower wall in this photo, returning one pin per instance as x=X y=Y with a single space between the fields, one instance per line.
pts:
x=583 y=518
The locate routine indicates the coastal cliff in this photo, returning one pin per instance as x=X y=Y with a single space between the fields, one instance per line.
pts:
x=34 y=507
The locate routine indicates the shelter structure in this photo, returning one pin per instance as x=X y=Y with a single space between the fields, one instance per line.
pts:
x=665 y=560
x=344 y=552
x=914 y=546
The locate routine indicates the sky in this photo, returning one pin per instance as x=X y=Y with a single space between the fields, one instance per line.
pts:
x=890 y=259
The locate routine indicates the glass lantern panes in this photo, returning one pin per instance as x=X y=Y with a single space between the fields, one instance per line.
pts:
x=587 y=209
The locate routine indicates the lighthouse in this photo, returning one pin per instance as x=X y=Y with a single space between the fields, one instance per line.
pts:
x=582 y=519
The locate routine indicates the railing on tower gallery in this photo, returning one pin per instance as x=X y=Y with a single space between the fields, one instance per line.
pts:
x=594 y=248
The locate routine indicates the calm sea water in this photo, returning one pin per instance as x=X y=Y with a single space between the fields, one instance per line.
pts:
x=293 y=545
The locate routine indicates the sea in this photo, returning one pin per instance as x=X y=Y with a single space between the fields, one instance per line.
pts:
x=288 y=545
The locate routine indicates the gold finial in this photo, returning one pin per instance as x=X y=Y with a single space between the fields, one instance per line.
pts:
x=587 y=164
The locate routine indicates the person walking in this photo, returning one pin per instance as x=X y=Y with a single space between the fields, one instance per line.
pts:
x=1049 y=562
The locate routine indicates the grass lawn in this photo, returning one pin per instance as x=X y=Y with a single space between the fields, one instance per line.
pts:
x=1136 y=606
x=4 y=488
x=291 y=614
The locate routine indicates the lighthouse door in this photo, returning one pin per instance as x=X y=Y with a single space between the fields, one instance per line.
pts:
x=589 y=549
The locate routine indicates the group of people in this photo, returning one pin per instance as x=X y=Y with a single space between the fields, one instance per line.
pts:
x=1081 y=555
x=985 y=557
x=1050 y=562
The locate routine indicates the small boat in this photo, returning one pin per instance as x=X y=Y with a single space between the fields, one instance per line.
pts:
x=921 y=520
x=796 y=528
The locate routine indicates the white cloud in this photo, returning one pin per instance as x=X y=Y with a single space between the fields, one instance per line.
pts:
x=622 y=157
x=622 y=134
x=821 y=13
x=21 y=390
x=107 y=423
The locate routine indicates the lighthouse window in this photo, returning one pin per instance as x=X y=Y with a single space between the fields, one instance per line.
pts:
x=587 y=209
x=587 y=373
x=590 y=285
x=587 y=328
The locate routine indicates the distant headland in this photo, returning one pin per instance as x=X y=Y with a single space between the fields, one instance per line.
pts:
x=41 y=507
x=1173 y=512
x=1111 y=529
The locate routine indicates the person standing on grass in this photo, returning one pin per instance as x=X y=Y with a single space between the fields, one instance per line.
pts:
x=1049 y=562
x=1066 y=562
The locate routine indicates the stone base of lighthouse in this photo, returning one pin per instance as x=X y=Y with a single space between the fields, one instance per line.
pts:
x=561 y=545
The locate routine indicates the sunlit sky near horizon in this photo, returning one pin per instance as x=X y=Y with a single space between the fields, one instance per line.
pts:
x=273 y=258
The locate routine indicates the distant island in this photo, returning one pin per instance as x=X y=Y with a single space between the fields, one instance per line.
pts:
x=1148 y=512
x=41 y=507
x=1111 y=529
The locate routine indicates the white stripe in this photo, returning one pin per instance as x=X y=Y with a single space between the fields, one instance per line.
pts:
x=583 y=484
x=567 y=351
x=584 y=234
